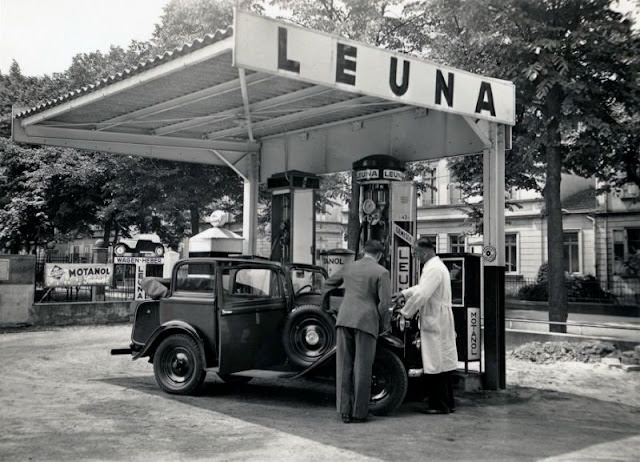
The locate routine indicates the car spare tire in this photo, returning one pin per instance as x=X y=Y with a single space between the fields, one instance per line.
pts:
x=309 y=333
x=389 y=383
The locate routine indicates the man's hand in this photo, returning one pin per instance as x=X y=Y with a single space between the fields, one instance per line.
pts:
x=398 y=299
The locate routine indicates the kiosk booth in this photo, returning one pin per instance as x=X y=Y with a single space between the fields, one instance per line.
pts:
x=267 y=97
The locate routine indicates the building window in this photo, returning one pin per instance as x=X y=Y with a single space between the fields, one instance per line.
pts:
x=456 y=243
x=571 y=252
x=511 y=252
x=455 y=194
x=626 y=251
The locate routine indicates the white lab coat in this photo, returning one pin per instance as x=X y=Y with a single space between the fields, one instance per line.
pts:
x=432 y=298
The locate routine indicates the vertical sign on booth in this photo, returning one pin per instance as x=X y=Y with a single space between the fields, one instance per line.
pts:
x=403 y=218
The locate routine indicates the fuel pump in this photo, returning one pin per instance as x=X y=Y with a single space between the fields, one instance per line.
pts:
x=293 y=216
x=388 y=214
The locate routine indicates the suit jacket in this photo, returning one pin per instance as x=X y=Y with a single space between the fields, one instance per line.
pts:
x=367 y=296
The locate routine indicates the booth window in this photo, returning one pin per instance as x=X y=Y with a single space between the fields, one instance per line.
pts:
x=571 y=252
x=511 y=252
x=456 y=243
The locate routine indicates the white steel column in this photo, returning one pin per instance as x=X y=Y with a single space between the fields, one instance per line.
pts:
x=250 y=206
x=493 y=256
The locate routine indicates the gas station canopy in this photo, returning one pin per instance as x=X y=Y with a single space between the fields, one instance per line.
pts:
x=267 y=97
x=305 y=100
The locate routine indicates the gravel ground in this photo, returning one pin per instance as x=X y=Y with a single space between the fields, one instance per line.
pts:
x=592 y=380
x=66 y=399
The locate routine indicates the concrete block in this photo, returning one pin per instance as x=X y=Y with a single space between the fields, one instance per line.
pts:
x=610 y=360
x=467 y=382
x=631 y=367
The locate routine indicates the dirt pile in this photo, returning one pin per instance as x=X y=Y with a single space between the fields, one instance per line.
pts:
x=551 y=352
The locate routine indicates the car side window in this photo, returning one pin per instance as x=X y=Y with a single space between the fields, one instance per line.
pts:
x=196 y=278
x=252 y=283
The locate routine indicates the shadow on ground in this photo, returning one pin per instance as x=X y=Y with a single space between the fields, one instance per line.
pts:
x=518 y=423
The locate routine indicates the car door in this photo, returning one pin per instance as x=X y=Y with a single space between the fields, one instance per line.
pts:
x=193 y=300
x=251 y=314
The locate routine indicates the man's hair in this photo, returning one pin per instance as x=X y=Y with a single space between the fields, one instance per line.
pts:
x=373 y=247
x=425 y=243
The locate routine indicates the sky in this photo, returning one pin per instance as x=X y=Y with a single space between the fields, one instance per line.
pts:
x=43 y=35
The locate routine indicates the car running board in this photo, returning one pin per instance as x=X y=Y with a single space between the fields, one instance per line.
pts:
x=324 y=359
x=258 y=373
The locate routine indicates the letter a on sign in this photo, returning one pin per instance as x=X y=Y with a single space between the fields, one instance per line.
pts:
x=485 y=99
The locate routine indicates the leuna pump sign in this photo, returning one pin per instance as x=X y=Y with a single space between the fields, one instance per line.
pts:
x=77 y=274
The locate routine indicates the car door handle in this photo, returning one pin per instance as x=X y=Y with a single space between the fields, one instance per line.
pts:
x=226 y=312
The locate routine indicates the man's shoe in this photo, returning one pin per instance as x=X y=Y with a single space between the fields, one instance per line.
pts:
x=359 y=419
x=346 y=418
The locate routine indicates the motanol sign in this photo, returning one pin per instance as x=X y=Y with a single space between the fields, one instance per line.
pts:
x=77 y=274
x=264 y=44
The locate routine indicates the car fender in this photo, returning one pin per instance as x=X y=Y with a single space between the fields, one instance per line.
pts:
x=168 y=328
x=390 y=340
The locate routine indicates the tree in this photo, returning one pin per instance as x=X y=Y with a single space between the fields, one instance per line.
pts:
x=185 y=21
x=575 y=67
x=135 y=193
x=44 y=193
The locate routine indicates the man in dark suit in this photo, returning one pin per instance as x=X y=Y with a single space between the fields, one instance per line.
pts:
x=363 y=315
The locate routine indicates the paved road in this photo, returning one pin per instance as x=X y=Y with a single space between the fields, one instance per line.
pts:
x=613 y=327
x=63 y=398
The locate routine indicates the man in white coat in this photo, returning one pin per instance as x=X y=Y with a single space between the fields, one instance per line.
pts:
x=431 y=297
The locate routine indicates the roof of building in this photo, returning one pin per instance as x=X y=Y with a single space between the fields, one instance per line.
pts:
x=581 y=201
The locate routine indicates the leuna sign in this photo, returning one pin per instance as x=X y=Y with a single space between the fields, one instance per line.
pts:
x=263 y=44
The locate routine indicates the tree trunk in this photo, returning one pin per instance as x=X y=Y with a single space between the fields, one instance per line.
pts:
x=107 y=232
x=555 y=251
x=353 y=224
x=194 y=211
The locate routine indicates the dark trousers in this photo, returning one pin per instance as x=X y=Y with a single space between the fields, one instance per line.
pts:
x=439 y=389
x=355 y=351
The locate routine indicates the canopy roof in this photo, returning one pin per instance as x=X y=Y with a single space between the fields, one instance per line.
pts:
x=195 y=105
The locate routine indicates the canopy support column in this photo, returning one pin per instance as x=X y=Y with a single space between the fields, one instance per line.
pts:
x=493 y=256
x=250 y=206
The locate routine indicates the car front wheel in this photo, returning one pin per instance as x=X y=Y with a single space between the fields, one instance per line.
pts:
x=389 y=383
x=178 y=365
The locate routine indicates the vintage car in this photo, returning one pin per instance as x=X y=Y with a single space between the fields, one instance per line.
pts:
x=240 y=318
x=141 y=244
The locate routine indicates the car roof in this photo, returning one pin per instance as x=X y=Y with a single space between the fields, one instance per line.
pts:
x=257 y=261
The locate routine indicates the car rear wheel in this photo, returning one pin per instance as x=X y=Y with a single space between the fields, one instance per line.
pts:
x=309 y=333
x=178 y=365
x=389 y=383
